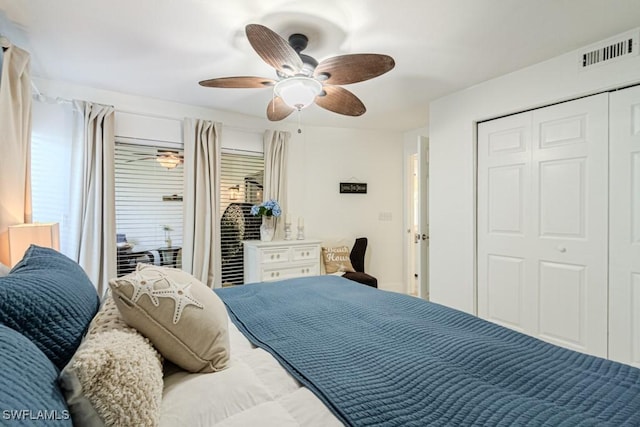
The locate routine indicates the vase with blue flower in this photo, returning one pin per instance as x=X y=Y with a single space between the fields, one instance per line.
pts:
x=269 y=211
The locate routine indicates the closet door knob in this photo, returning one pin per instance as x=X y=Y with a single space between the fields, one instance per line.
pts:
x=562 y=249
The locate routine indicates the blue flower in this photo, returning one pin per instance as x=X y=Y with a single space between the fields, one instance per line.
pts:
x=269 y=208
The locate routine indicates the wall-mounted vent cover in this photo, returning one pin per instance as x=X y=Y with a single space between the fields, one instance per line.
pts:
x=626 y=45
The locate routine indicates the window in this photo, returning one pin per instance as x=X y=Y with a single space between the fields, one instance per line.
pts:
x=148 y=193
x=241 y=181
x=50 y=159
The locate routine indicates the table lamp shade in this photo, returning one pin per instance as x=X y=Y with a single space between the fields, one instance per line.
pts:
x=23 y=235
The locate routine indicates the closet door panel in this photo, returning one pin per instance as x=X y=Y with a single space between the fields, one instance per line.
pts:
x=542 y=223
x=562 y=195
x=504 y=268
x=505 y=287
x=624 y=253
x=563 y=305
x=570 y=199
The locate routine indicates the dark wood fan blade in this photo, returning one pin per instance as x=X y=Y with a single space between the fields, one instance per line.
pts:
x=238 y=82
x=278 y=110
x=345 y=69
x=341 y=101
x=142 y=158
x=273 y=49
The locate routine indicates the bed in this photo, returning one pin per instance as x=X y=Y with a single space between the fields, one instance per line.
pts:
x=350 y=354
x=312 y=352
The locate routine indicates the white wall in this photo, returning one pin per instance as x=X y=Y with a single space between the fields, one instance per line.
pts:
x=452 y=150
x=319 y=159
x=327 y=156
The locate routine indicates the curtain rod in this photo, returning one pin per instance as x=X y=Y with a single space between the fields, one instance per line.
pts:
x=152 y=115
x=37 y=96
x=162 y=116
x=40 y=97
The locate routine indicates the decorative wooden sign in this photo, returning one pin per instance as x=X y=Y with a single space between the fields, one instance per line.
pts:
x=353 y=188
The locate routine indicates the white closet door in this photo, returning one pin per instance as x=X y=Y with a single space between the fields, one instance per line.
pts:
x=542 y=223
x=504 y=228
x=624 y=254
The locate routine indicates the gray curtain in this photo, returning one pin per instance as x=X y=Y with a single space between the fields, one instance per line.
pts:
x=275 y=172
x=15 y=143
x=92 y=193
x=201 y=238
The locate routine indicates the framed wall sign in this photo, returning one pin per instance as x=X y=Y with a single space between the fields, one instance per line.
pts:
x=353 y=188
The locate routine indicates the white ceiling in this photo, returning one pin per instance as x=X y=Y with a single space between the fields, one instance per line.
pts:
x=162 y=48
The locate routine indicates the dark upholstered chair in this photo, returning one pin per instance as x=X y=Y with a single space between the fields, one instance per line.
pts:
x=357 y=260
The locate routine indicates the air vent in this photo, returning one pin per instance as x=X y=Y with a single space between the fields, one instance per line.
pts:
x=610 y=50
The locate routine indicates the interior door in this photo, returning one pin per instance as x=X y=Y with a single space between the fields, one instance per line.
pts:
x=418 y=220
x=421 y=237
x=413 y=211
x=542 y=223
x=624 y=252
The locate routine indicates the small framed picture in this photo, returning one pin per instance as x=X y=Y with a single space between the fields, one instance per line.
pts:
x=353 y=188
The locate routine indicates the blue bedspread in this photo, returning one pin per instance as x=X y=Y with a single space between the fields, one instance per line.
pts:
x=378 y=358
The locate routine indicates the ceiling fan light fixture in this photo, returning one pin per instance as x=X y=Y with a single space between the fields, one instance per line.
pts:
x=169 y=162
x=298 y=92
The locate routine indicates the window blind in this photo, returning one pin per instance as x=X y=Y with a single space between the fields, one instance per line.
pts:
x=241 y=184
x=148 y=203
x=51 y=138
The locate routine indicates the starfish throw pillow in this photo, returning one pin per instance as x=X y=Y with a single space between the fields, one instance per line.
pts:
x=184 y=319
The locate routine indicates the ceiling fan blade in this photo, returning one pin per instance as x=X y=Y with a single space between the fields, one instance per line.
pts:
x=142 y=158
x=278 y=110
x=341 y=101
x=238 y=82
x=273 y=49
x=345 y=69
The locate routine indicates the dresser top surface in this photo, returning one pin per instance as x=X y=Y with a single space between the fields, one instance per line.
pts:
x=261 y=244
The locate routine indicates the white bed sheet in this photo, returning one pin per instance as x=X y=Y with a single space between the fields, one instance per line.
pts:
x=255 y=390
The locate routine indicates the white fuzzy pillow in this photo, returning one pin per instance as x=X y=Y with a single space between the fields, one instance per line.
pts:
x=115 y=376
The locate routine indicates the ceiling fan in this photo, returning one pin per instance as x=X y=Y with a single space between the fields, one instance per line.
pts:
x=169 y=159
x=301 y=79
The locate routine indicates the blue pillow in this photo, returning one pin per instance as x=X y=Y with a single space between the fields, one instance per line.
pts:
x=29 y=393
x=49 y=299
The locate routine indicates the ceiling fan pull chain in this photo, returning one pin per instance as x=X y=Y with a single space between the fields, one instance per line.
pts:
x=299 y=130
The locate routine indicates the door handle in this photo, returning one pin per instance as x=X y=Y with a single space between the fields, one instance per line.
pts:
x=417 y=237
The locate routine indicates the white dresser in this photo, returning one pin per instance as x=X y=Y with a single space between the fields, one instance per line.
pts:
x=282 y=259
